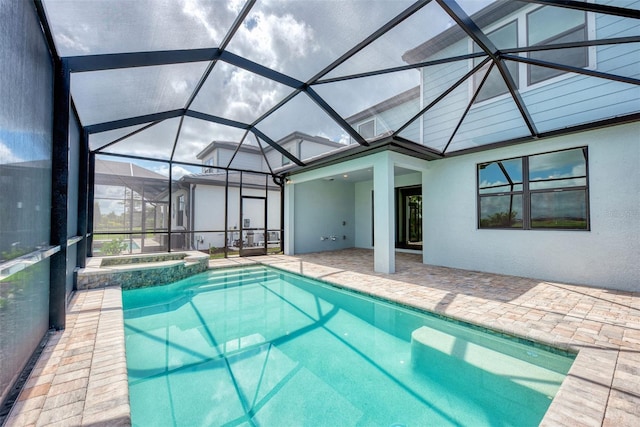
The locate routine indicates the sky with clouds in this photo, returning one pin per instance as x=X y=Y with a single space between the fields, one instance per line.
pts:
x=23 y=147
x=7 y=155
x=295 y=37
x=569 y=166
x=552 y=170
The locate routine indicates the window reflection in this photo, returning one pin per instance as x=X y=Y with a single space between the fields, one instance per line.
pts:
x=367 y=129
x=551 y=25
x=541 y=27
x=506 y=37
x=503 y=211
x=556 y=170
x=553 y=185
x=565 y=210
x=500 y=176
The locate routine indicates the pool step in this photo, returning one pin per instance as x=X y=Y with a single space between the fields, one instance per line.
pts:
x=166 y=300
x=233 y=281
x=492 y=369
x=222 y=274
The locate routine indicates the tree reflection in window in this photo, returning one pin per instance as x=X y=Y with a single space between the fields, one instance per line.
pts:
x=547 y=190
x=500 y=185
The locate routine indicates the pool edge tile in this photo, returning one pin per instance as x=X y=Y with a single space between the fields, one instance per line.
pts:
x=65 y=403
x=601 y=388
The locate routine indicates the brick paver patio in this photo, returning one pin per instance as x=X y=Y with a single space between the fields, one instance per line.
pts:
x=80 y=379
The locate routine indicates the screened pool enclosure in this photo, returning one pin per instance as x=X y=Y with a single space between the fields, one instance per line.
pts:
x=165 y=81
x=140 y=126
x=160 y=85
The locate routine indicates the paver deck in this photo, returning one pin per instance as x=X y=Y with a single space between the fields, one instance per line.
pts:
x=81 y=377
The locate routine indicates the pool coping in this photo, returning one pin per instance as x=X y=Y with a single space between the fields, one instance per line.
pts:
x=602 y=387
x=81 y=376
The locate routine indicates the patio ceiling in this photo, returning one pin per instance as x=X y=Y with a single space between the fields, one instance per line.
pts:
x=162 y=79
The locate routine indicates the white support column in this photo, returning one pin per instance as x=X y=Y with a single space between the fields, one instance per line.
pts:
x=289 y=215
x=384 y=215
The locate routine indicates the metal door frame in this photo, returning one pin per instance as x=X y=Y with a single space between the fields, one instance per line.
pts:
x=253 y=250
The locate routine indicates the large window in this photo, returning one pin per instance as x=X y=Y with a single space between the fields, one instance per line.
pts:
x=505 y=37
x=553 y=25
x=543 y=26
x=542 y=191
x=209 y=163
x=367 y=129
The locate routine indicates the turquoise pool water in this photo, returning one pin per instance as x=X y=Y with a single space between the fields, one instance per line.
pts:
x=258 y=346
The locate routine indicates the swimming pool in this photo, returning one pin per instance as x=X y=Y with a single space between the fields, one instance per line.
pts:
x=258 y=346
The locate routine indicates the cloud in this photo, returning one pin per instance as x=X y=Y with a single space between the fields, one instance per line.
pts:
x=493 y=205
x=136 y=25
x=7 y=155
x=71 y=42
x=110 y=206
x=250 y=95
x=180 y=86
x=558 y=205
x=201 y=14
x=235 y=6
x=177 y=171
x=472 y=6
x=303 y=115
x=485 y=184
x=244 y=95
x=557 y=161
x=340 y=136
x=563 y=167
x=103 y=191
x=153 y=142
x=157 y=141
x=290 y=37
x=197 y=134
x=387 y=50
x=275 y=40
x=345 y=139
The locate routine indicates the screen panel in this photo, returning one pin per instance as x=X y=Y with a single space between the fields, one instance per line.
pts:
x=137 y=25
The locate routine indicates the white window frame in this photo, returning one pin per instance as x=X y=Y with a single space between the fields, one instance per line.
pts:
x=523 y=86
x=495 y=27
x=366 y=122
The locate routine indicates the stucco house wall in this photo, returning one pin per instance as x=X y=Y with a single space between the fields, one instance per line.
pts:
x=324 y=217
x=607 y=256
